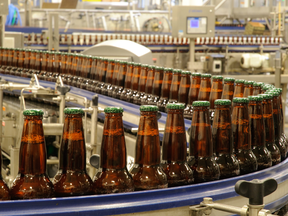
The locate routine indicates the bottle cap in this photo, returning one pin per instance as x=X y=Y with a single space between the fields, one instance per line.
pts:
x=266 y=96
x=217 y=77
x=149 y=108
x=279 y=89
x=117 y=61
x=33 y=112
x=73 y=110
x=68 y=54
x=137 y=64
x=273 y=93
x=257 y=84
x=144 y=65
x=62 y=53
x=104 y=59
x=124 y=62
x=113 y=110
x=186 y=72
x=159 y=68
x=93 y=57
x=196 y=74
x=249 y=82
x=240 y=100
x=222 y=102
x=100 y=58
x=206 y=75
x=130 y=63
x=57 y=53
x=177 y=71
x=151 y=66
x=267 y=87
x=36 y=51
x=175 y=106
x=201 y=103
x=239 y=81
x=229 y=79
x=111 y=60
x=255 y=98
x=168 y=69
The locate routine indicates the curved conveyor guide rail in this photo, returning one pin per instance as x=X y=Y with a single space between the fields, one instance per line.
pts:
x=150 y=200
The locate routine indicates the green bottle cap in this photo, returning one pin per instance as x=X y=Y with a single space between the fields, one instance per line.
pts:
x=111 y=60
x=201 y=103
x=33 y=112
x=217 y=77
x=239 y=81
x=116 y=60
x=240 y=100
x=168 y=69
x=279 y=89
x=73 y=110
x=267 y=87
x=137 y=64
x=68 y=54
x=257 y=84
x=144 y=65
x=196 y=74
x=229 y=79
x=124 y=62
x=177 y=71
x=255 y=98
x=113 y=110
x=159 y=68
x=273 y=93
x=249 y=82
x=104 y=59
x=175 y=106
x=206 y=75
x=130 y=63
x=266 y=96
x=186 y=72
x=222 y=102
x=62 y=53
x=149 y=108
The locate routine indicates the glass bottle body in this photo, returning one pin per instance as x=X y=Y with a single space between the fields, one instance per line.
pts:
x=205 y=89
x=193 y=95
x=142 y=84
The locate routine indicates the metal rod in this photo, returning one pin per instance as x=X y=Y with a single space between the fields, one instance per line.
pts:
x=223 y=207
x=219 y=5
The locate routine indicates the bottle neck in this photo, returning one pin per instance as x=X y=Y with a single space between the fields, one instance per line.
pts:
x=256 y=129
x=256 y=90
x=157 y=84
x=239 y=90
x=110 y=71
x=276 y=117
x=228 y=90
x=121 y=75
x=166 y=85
x=174 y=89
x=128 y=78
x=143 y=79
x=135 y=78
x=115 y=73
x=113 y=148
x=222 y=130
x=216 y=91
x=73 y=150
x=205 y=89
x=194 y=89
x=184 y=88
x=200 y=133
x=150 y=80
x=248 y=90
x=33 y=149
x=268 y=121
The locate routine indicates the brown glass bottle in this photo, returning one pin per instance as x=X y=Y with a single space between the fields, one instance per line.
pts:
x=4 y=60
x=239 y=88
x=4 y=190
x=108 y=78
x=165 y=90
x=32 y=61
x=101 y=75
x=15 y=60
x=128 y=80
x=157 y=86
x=8 y=67
x=80 y=62
x=147 y=172
x=1 y=56
x=216 y=93
x=56 y=68
x=248 y=88
x=202 y=161
x=116 y=93
x=68 y=66
x=27 y=59
x=93 y=72
x=86 y=73
x=142 y=83
x=134 y=83
x=257 y=88
x=149 y=85
x=113 y=176
x=111 y=87
x=277 y=125
x=205 y=87
x=241 y=136
x=222 y=140
x=72 y=178
x=193 y=94
x=174 y=148
x=228 y=88
x=175 y=84
x=184 y=87
x=32 y=181
x=44 y=63
x=269 y=128
x=50 y=67
x=257 y=131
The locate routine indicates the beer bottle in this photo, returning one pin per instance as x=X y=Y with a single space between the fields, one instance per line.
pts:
x=174 y=152
x=184 y=87
x=37 y=65
x=98 y=69
x=248 y=88
x=205 y=87
x=147 y=172
x=86 y=73
x=175 y=84
x=134 y=83
x=109 y=68
x=4 y=190
x=27 y=58
x=257 y=88
x=32 y=62
x=216 y=93
x=241 y=137
x=266 y=87
x=222 y=140
x=193 y=94
x=165 y=90
x=72 y=178
x=93 y=72
x=269 y=128
x=157 y=85
x=120 y=80
x=77 y=77
x=4 y=60
x=10 y=53
x=277 y=123
x=44 y=63
x=228 y=88
x=1 y=56
x=239 y=88
x=113 y=176
x=257 y=131
x=109 y=77
x=142 y=83
x=111 y=87
x=14 y=62
x=202 y=161
x=68 y=64
x=50 y=66
x=102 y=75
x=32 y=180
x=149 y=85
x=56 y=68
x=128 y=80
